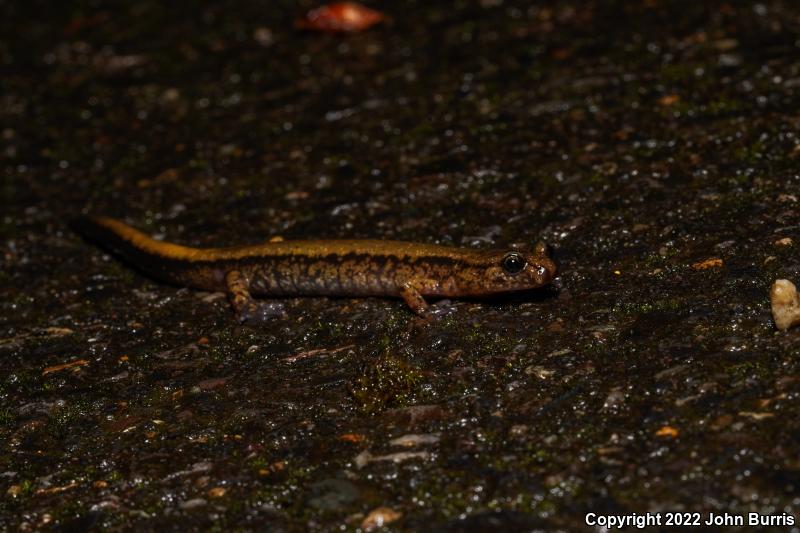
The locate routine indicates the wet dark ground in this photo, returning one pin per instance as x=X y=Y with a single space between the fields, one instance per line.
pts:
x=654 y=145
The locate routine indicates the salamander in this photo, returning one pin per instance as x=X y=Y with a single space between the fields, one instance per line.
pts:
x=407 y=270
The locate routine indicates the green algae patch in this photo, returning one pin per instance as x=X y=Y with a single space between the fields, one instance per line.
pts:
x=388 y=381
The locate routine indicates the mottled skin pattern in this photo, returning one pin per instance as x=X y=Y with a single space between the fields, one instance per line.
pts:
x=328 y=267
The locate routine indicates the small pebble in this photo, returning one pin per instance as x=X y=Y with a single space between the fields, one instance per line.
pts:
x=518 y=430
x=785 y=304
x=193 y=504
x=364 y=458
x=667 y=431
x=539 y=371
x=263 y=36
x=379 y=517
x=217 y=492
x=412 y=440
x=713 y=262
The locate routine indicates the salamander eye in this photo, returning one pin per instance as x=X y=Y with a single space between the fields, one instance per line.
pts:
x=513 y=262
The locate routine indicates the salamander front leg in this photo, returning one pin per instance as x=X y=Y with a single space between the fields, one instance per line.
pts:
x=247 y=309
x=414 y=300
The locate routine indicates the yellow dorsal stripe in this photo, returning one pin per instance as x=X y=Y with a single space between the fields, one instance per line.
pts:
x=311 y=248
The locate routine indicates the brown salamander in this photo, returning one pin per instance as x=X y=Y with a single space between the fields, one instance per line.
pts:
x=407 y=270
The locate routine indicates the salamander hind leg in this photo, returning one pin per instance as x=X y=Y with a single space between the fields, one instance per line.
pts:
x=414 y=300
x=247 y=309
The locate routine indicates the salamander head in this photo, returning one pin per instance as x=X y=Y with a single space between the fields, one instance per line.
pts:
x=519 y=268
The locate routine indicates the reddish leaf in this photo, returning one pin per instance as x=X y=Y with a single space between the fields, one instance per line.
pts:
x=344 y=17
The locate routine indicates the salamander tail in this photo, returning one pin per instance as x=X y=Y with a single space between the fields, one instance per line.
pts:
x=162 y=260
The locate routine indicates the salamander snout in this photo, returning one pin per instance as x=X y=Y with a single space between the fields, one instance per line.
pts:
x=544 y=270
x=543 y=259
